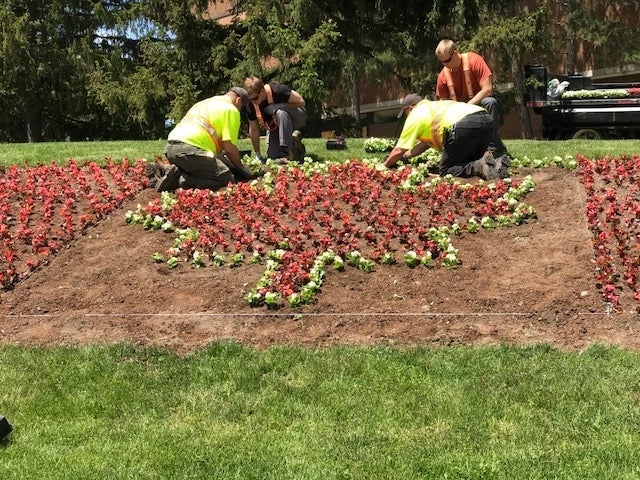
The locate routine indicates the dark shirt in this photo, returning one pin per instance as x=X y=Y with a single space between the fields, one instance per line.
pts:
x=281 y=94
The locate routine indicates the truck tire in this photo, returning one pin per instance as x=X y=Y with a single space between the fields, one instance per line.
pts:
x=587 y=134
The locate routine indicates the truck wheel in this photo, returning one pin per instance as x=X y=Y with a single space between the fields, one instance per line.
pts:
x=587 y=134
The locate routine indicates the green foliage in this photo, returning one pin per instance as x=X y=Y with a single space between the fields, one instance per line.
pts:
x=45 y=52
x=533 y=82
x=99 y=69
x=510 y=37
x=291 y=43
x=609 y=35
x=586 y=94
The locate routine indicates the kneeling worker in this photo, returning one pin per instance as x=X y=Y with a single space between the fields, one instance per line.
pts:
x=460 y=131
x=202 y=148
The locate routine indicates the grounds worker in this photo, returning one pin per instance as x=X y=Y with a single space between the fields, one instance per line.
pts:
x=460 y=131
x=202 y=148
x=466 y=77
x=280 y=111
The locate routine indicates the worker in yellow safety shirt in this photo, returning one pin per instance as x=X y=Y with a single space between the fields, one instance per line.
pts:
x=202 y=148
x=460 y=131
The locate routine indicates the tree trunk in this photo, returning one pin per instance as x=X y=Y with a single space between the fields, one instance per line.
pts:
x=33 y=119
x=355 y=102
x=523 y=110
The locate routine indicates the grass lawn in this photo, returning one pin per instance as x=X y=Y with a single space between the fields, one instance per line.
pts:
x=33 y=153
x=343 y=412
x=122 y=412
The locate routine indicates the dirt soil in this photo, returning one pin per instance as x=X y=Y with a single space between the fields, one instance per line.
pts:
x=519 y=285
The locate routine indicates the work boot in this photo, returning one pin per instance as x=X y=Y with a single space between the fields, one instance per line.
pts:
x=170 y=181
x=481 y=168
x=490 y=158
x=505 y=160
x=159 y=169
x=150 y=174
x=299 y=149
x=502 y=164
x=283 y=157
x=154 y=172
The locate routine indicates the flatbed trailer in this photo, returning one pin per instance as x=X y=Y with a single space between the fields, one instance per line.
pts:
x=585 y=118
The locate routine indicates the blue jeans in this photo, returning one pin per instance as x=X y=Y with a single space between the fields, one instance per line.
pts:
x=466 y=142
x=490 y=104
x=279 y=142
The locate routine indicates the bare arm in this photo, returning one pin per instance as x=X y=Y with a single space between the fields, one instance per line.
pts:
x=398 y=153
x=395 y=155
x=233 y=154
x=295 y=100
x=419 y=148
x=486 y=90
x=254 y=135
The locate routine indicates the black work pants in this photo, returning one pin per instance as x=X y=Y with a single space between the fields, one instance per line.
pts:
x=199 y=168
x=466 y=142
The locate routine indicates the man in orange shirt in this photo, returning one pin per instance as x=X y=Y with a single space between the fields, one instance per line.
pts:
x=465 y=77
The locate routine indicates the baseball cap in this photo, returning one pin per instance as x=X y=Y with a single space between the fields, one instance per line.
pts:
x=409 y=100
x=242 y=93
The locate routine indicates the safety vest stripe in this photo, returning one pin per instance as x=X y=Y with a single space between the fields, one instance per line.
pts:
x=467 y=78
x=435 y=140
x=207 y=127
x=467 y=74
x=450 y=84
x=435 y=128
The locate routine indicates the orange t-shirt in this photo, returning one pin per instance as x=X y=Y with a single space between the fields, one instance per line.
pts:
x=479 y=71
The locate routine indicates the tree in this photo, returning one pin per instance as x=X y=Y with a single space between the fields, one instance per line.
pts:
x=45 y=48
x=325 y=47
x=510 y=37
x=292 y=42
x=607 y=30
x=121 y=68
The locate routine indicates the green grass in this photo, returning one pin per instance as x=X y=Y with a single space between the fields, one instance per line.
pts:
x=344 y=412
x=34 y=153
x=47 y=152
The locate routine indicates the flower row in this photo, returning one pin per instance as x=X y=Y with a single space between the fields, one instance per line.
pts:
x=601 y=93
x=612 y=186
x=43 y=208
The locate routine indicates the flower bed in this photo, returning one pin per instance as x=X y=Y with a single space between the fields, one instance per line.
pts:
x=612 y=186
x=45 y=207
x=300 y=221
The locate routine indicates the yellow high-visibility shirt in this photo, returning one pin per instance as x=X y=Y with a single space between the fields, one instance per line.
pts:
x=208 y=123
x=428 y=122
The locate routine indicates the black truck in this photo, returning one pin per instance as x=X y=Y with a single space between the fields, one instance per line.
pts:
x=583 y=118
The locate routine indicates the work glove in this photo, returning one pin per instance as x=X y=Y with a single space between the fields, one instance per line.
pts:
x=260 y=158
x=242 y=174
